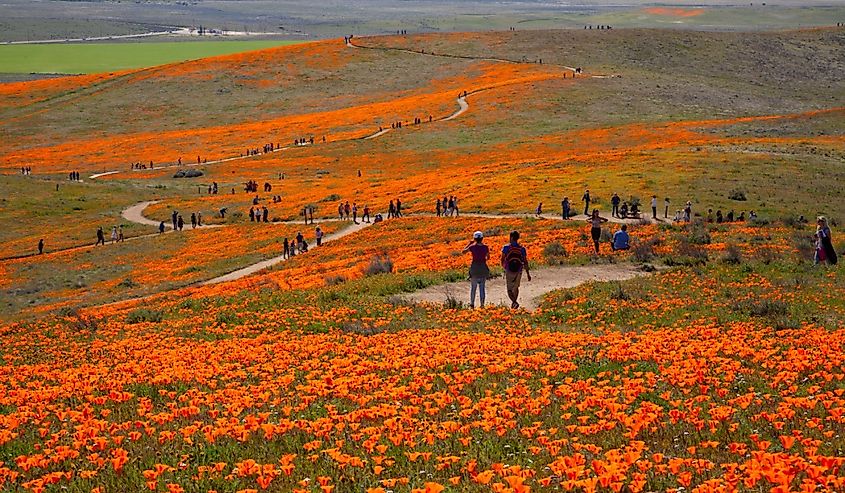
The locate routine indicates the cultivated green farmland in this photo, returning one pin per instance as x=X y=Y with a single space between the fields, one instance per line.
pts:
x=79 y=58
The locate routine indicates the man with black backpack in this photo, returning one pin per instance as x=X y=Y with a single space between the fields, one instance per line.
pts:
x=514 y=261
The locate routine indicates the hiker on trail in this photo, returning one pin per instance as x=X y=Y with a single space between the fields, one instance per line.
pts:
x=193 y=221
x=824 y=246
x=174 y=216
x=340 y=210
x=666 y=208
x=455 y=206
x=101 y=238
x=347 y=209
x=299 y=240
x=161 y=227
x=181 y=222
x=365 y=217
x=514 y=261
x=595 y=221
x=114 y=234
x=437 y=207
x=120 y=233
x=318 y=235
x=539 y=210
x=391 y=210
x=398 y=212
x=41 y=246
x=286 y=249
x=586 y=199
x=264 y=213
x=687 y=211
x=614 y=201
x=478 y=270
x=355 y=212
x=359 y=173
x=621 y=240
x=719 y=218
x=251 y=215
x=223 y=213
x=199 y=218
x=566 y=208
x=654 y=207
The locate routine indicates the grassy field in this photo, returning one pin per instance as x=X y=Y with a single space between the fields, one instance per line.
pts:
x=78 y=58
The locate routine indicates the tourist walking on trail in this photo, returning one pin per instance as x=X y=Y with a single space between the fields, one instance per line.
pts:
x=398 y=208
x=41 y=246
x=251 y=215
x=586 y=199
x=286 y=249
x=265 y=213
x=539 y=211
x=193 y=220
x=180 y=222
x=355 y=212
x=101 y=237
x=654 y=207
x=340 y=211
x=347 y=210
x=824 y=245
x=199 y=219
x=455 y=206
x=688 y=212
x=120 y=233
x=161 y=227
x=478 y=270
x=595 y=221
x=438 y=207
x=566 y=208
x=666 y=208
x=514 y=261
x=614 y=201
x=175 y=217
x=365 y=217
x=318 y=235
x=299 y=240
x=114 y=234
x=391 y=210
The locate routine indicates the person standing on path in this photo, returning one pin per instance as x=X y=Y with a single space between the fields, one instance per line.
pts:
x=478 y=270
x=666 y=208
x=365 y=217
x=354 y=213
x=614 y=201
x=120 y=233
x=391 y=210
x=180 y=222
x=41 y=246
x=101 y=237
x=566 y=208
x=688 y=212
x=161 y=227
x=586 y=199
x=174 y=216
x=437 y=207
x=299 y=241
x=265 y=213
x=398 y=208
x=114 y=234
x=318 y=234
x=539 y=210
x=824 y=248
x=286 y=249
x=654 y=207
x=340 y=211
x=595 y=221
x=514 y=261
x=193 y=220
x=199 y=219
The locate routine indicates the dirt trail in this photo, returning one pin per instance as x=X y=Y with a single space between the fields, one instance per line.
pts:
x=543 y=280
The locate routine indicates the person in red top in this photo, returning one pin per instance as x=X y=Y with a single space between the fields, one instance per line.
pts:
x=478 y=270
x=514 y=261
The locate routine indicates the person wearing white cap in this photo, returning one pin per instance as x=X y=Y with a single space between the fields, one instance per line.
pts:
x=478 y=270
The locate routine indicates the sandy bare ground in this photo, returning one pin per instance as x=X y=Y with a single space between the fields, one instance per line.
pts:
x=543 y=281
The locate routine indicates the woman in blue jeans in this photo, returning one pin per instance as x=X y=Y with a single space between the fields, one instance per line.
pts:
x=478 y=270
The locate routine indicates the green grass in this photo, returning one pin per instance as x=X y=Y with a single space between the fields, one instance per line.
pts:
x=76 y=58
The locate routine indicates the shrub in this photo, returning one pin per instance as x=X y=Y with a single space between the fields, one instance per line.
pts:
x=737 y=194
x=128 y=283
x=618 y=293
x=555 y=253
x=331 y=198
x=335 y=280
x=144 y=315
x=379 y=264
x=733 y=255
x=698 y=232
x=643 y=251
x=763 y=308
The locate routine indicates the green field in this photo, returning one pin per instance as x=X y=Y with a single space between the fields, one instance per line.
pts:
x=77 y=58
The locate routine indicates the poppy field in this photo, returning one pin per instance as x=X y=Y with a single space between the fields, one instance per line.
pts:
x=132 y=366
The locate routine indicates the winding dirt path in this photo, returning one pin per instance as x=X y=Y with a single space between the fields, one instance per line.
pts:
x=543 y=281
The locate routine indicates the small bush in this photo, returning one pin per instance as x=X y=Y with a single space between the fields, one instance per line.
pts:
x=144 y=315
x=618 y=293
x=698 y=232
x=494 y=231
x=643 y=251
x=733 y=255
x=737 y=194
x=379 y=264
x=763 y=308
x=335 y=280
x=128 y=283
x=805 y=244
x=331 y=198
x=555 y=253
